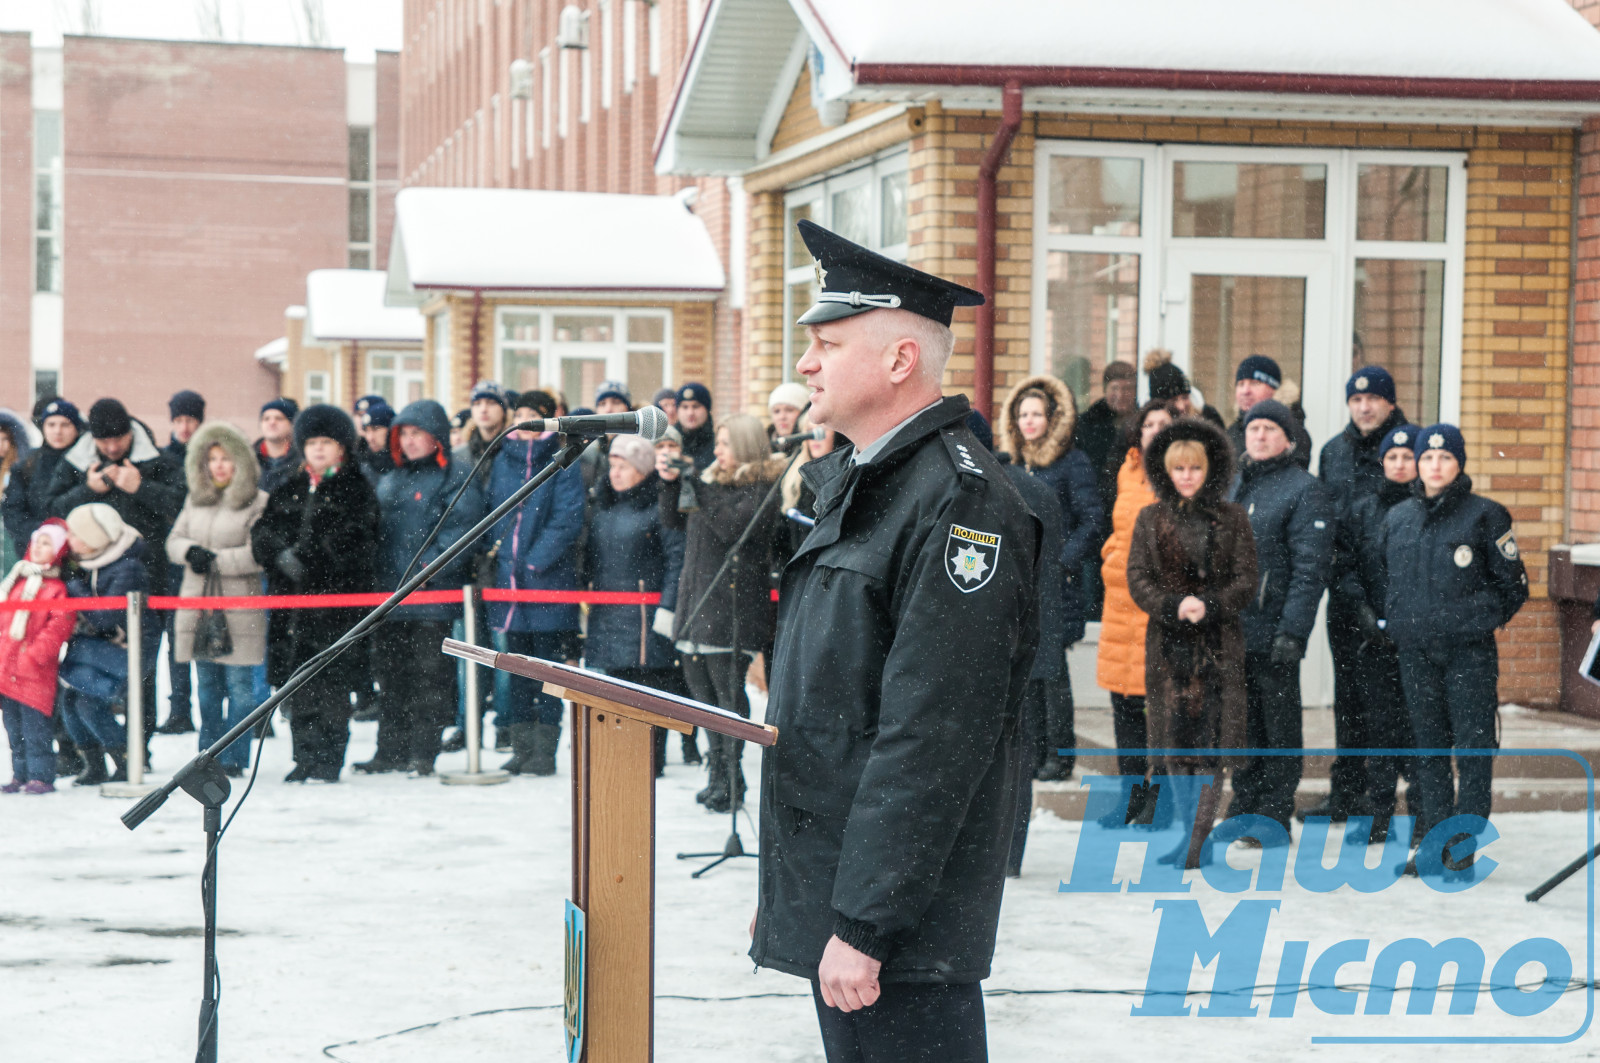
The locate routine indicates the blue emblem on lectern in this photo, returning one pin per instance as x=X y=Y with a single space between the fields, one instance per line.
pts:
x=573 y=982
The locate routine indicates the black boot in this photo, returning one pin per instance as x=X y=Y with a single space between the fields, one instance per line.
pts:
x=120 y=761
x=1334 y=811
x=691 y=749
x=542 y=760
x=455 y=742
x=522 y=737
x=729 y=794
x=94 y=769
x=658 y=751
x=68 y=760
x=1054 y=769
x=178 y=722
x=424 y=748
x=714 y=780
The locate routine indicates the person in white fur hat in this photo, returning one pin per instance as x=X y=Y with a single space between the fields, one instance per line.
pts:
x=785 y=405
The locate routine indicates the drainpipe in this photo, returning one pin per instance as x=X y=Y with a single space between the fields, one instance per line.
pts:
x=475 y=348
x=988 y=224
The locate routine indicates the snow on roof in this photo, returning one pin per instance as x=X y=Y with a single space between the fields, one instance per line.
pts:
x=347 y=304
x=522 y=240
x=273 y=353
x=1478 y=40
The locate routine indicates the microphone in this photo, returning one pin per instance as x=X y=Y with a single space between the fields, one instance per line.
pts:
x=785 y=442
x=647 y=421
x=799 y=518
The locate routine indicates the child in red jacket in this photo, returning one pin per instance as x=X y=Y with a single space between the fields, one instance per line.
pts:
x=30 y=654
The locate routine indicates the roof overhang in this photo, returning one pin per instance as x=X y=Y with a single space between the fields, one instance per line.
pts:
x=497 y=241
x=274 y=352
x=1451 y=61
x=347 y=306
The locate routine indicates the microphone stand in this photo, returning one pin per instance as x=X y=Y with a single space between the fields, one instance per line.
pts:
x=203 y=779
x=734 y=846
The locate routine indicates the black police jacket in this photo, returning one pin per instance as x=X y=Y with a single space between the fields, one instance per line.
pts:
x=907 y=627
x=1292 y=518
x=1454 y=571
x=1350 y=467
x=1359 y=564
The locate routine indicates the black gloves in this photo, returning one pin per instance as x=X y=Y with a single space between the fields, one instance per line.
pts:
x=199 y=559
x=292 y=568
x=1367 y=624
x=1286 y=650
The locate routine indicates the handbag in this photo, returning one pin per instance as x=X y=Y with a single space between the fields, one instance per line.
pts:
x=211 y=638
x=96 y=667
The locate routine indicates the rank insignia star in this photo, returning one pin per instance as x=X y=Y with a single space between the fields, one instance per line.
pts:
x=822 y=274
x=1436 y=441
x=1401 y=439
x=1362 y=384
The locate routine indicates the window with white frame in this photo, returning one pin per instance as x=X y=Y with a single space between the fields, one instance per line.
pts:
x=316 y=387
x=396 y=375
x=606 y=34
x=48 y=183
x=1325 y=259
x=574 y=349
x=866 y=204
x=361 y=225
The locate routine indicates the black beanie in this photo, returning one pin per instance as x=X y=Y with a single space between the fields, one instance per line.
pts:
x=187 y=404
x=108 y=419
x=328 y=422
x=1168 y=382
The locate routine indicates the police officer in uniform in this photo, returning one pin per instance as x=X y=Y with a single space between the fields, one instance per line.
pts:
x=906 y=631
x=1454 y=576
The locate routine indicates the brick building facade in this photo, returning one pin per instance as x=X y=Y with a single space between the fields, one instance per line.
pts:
x=162 y=202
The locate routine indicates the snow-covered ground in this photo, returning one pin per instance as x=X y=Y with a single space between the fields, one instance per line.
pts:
x=355 y=911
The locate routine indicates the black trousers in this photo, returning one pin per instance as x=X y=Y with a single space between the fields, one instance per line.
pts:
x=911 y=1022
x=419 y=689
x=713 y=680
x=1388 y=726
x=1452 y=694
x=1266 y=786
x=319 y=724
x=180 y=676
x=1352 y=708
x=1131 y=730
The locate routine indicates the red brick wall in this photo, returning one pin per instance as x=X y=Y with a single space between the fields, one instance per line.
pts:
x=386 y=153
x=16 y=219
x=204 y=182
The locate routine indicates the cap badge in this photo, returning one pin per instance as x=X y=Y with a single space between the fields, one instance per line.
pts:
x=1463 y=556
x=1361 y=383
x=1400 y=439
x=1436 y=441
x=822 y=274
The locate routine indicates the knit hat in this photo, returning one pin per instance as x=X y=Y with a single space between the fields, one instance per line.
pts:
x=488 y=389
x=1167 y=382
x=1401 y=435
x=1259 y=367
x=664 y=393
x=187 y=404
x=366 y=402
x=613 y=389
x=323 y=421
x=461 y=418
x=540 y=402
x=108 y=419
x=97 y=524
x=55 y=530
x=284 y=405
x=1276 y=412
x=634 y=450
x=378 y=414
x=693 y=392
x=789 y=394
x=59 y=408
x=1442 y=437
x=1373 y=380
x=671 y=435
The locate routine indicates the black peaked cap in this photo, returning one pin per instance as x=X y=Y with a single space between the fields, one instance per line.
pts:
x=855 y=280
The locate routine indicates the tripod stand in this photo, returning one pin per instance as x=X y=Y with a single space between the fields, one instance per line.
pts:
x=733 y=847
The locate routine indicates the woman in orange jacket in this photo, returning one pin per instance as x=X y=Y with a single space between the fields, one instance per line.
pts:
x=1120 y=663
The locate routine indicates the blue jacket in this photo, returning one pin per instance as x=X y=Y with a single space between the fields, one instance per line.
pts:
x=1453 y=568
x=1083 y=520
x=1292 y=518
x=1049 y=662
x=411 y=499
x=122 y=575
x=535 y=544
x=629 y=549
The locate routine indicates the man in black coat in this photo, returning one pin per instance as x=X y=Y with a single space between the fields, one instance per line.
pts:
x=1258 y=379
x=27 y=499
x=187 y=410
x=1454 y=576
x=1099 y=431
x=699 y=431
x=908 y=624
x=1352 y=470
x=276 y=450
x=1292 y=519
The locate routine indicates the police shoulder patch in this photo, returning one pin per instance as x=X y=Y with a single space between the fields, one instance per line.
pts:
x=1507 y=545
x=962 y=454
x=971 y=557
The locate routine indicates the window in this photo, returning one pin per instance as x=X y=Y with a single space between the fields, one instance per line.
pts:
x=316 y=388
x=867 y=205
x=361 y=194
x=605 y=53
x=48 y=174
x=1325 y=259
x=653 y=27
x=46 y=383
x=630 y=44
x=396 y=375
x=575 y=349
x=545 y=87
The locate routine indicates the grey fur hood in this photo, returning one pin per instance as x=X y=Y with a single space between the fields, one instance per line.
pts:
x=247 y=471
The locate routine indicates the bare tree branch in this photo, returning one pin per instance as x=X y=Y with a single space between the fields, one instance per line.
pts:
x=208 y=19
x=314 y=23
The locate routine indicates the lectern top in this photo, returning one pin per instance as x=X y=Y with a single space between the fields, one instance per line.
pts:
x=584 y=681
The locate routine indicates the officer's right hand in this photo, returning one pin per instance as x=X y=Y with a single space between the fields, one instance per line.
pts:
x=847 y=977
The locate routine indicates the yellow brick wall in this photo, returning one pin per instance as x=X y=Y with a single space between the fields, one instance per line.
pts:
x=800 y=122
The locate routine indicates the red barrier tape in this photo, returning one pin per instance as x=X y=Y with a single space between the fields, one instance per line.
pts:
x=337 y=601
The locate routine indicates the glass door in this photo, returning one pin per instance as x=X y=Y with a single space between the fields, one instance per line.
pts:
x=1221 y=306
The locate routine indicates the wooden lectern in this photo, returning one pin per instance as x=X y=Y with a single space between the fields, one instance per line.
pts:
x=613 y=836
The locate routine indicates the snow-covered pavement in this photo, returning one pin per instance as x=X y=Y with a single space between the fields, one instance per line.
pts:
x=354 y=911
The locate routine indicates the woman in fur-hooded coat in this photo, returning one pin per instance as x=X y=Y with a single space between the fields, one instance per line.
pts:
x=1201 y=547
x=217 y=519
x=1052 y=458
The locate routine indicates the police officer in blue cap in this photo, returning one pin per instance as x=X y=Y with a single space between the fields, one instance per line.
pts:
x=1454 y=576
x=906 y=631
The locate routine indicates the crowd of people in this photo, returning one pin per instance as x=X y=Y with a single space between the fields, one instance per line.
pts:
x=1203 y=549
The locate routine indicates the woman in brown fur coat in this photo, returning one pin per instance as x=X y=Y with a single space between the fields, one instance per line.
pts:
x=1192 y=568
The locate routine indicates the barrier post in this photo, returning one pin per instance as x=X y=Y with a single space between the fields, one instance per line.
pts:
x=474 y=775
x=135 y=786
